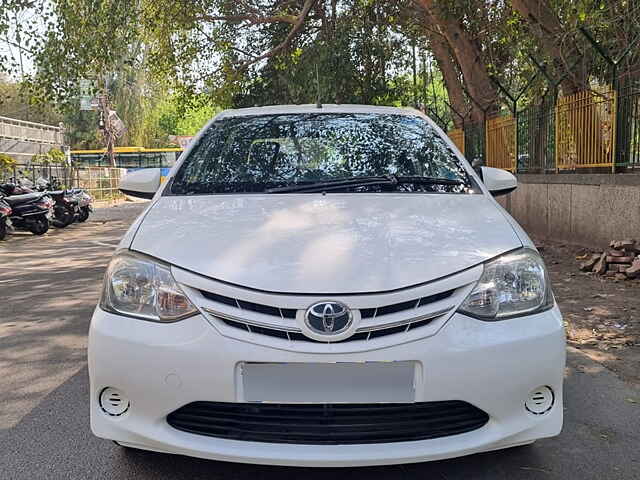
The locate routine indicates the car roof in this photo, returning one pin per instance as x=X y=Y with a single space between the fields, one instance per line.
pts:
x=313 y=108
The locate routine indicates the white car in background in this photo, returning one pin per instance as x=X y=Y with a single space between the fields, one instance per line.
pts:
x=325 y=286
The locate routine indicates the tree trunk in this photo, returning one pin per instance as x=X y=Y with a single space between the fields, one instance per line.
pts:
x=468 y=56
x=447 y=65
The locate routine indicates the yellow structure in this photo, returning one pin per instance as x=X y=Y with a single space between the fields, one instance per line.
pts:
x=585 y=126
x=585 y=133
x=501 y=143
x=457 y=137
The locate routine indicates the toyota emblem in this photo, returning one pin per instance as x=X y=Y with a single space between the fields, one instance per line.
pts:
x=328 y=318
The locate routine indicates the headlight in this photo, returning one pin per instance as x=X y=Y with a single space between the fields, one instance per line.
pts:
x=513 y=284
x=138 y=286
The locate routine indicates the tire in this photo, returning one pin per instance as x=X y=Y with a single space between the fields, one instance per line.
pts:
x=84 y=214
x=39 y=226
x=63 y=218
x=3 y=228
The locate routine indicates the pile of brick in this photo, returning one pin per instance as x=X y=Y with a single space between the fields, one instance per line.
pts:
x=621 y=260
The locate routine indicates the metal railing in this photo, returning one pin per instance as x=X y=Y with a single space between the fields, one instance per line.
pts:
x=501 y=142
x=474 y=138
x=585 y=125
x=627 y=153
x=30 y=132
x=101 y=182
x=596 y=129
x=536 y=131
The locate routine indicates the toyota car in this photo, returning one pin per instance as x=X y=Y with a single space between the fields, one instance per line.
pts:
x=325 y=285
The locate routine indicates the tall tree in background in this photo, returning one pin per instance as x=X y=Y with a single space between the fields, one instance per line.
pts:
x=559 y=43
x=253 y=52
x=468 y=56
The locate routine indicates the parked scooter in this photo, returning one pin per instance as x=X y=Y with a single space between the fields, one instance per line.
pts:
x=84 y=204
x=65 y=209
x=83 y=199
x=5 y=212
x=29 y=211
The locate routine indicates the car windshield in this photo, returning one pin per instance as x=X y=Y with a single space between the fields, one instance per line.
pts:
x=256 y=154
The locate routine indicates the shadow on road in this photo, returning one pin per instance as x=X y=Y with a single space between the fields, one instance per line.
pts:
x=49 y=286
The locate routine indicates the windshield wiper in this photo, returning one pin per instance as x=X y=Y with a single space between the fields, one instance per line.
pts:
x=333 y=184
x=429 y=180
x=363 y=181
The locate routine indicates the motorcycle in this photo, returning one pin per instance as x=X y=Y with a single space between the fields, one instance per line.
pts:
x=79 y=195
x=84 y=204
x=29 y=211
x=65 y=208
x=5 y=212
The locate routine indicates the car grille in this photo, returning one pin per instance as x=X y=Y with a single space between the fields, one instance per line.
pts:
x=291 y=313
x=283 y=326
x=328 y=424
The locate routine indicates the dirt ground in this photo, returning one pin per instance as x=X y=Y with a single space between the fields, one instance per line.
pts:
x=602 y=315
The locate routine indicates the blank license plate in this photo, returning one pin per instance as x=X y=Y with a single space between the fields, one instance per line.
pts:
x=367 y=382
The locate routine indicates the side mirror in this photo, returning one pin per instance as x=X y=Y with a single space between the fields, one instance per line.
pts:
x=498 y=181
x=477 y=166
x=141 y=183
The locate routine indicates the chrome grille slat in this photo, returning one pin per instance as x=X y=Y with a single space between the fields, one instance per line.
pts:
x=407 y=322
x=233 y=318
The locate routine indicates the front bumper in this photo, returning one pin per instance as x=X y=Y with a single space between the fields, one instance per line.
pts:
x=162 y=367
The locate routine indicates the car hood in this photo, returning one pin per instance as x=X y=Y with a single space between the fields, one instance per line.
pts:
x=336 y=243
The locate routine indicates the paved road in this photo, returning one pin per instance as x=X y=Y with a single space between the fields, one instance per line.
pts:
x=48 y=288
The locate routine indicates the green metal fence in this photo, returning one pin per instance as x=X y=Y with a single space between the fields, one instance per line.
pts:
x=536 y=138
x=596 y=130
x=474 y=138
x=628 y=127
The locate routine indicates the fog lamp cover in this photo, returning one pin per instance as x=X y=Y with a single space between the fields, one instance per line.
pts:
x=540 y=400
x=113 y=402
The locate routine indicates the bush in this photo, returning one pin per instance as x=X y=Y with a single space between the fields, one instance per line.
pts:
x=52 y=157
x=7 y=163
x=56 y=155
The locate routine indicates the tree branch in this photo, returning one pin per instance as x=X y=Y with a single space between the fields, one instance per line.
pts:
x=17 y=45
x=251 y=18
x=297 y=26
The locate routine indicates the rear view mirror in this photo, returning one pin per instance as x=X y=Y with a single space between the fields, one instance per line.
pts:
x=498 y=181
x=141 y=183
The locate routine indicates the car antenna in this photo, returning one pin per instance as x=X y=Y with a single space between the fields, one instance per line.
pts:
x=318 y=104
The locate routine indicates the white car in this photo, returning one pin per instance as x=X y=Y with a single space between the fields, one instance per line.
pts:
x=325 y=286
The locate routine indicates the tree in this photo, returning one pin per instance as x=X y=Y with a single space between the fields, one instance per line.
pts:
x=546 y=27
x=15 y=103
x=253 y=52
